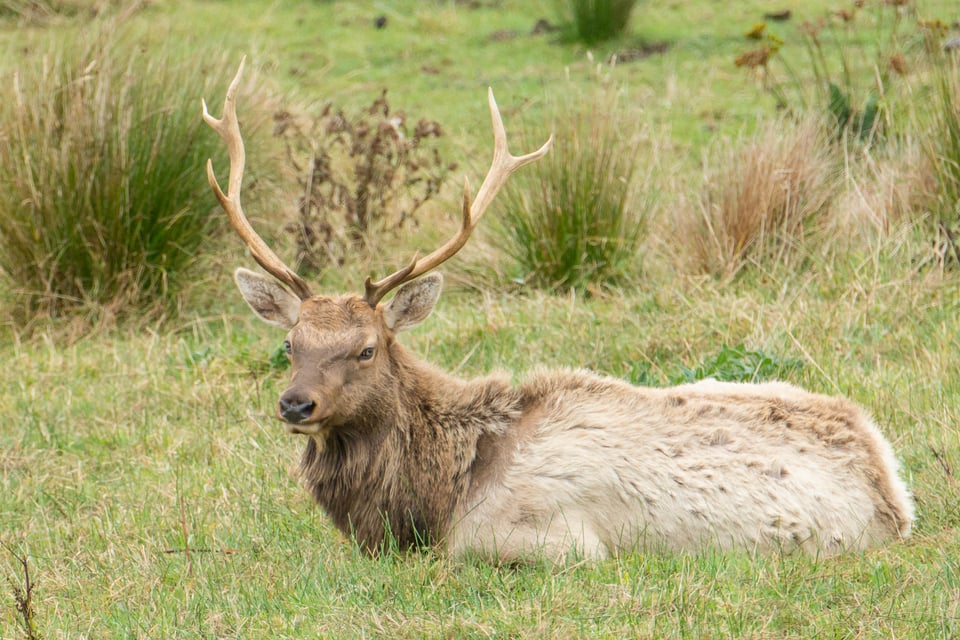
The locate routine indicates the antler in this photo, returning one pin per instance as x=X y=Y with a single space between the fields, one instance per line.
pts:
x=229 y=130
x=502 y=166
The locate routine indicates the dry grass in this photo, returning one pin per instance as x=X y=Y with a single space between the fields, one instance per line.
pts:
x=761 y=198
x=882 y=190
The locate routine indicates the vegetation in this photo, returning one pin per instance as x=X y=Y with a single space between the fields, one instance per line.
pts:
x=739 y=364
x=855 y=56
x=577 y=217
x=943 y=156
x=762 y=197
x=100 y=193
x=594 y=21
x=146 y=489
x=360 y=177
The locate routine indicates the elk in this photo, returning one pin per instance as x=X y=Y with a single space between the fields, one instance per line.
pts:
x=565 y=461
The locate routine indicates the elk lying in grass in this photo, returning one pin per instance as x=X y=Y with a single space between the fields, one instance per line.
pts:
x=566 y=461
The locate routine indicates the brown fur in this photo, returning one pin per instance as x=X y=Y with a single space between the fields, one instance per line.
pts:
x=406 y=467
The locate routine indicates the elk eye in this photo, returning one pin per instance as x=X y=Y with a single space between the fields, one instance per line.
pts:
x=287 y=348
x=366 y=354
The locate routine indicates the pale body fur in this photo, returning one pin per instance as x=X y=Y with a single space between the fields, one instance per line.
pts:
x=604 y=467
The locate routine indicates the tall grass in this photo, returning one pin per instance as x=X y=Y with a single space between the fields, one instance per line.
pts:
x=761 y=198
x=594 y=21
x=577 y=216
x=42 y=11
x=103 y=199
x=943 y=153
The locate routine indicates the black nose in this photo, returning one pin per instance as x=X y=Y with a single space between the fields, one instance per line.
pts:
x=296 y=410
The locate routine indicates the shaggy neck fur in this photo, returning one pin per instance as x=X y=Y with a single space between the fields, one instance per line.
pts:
x=412 y=460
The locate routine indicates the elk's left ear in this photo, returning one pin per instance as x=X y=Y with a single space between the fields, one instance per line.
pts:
x=413 y=302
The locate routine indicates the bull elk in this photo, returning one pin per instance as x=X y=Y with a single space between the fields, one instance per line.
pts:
x=565 y=461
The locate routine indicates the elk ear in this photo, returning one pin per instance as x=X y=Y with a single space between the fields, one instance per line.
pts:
x=413 y=302
x=268 y=298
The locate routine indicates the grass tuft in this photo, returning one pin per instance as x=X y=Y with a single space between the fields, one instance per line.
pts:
x=762 y=199
x=943 y=154
x=105 y=204
x=575 y=217
x=595 y=21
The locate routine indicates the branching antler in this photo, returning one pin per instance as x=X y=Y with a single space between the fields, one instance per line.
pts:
x=229 y=129
x=502 y=166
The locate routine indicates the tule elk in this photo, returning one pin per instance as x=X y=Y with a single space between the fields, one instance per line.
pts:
x=566 y=461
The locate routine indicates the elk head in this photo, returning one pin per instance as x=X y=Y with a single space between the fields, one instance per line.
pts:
x=340 y=346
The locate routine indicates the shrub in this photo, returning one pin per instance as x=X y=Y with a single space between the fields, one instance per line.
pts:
x=103 y=197
x=762 y=199
x=573 y=217
x=360 y=176
x=594 y=21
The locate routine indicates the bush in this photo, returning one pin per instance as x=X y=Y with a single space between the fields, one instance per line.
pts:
x=103 y=198
x=598 y=20
x=572 y=218
x=360 y=176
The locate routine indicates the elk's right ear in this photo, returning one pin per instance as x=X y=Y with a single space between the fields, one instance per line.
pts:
x=268 y=298
x=413 y=302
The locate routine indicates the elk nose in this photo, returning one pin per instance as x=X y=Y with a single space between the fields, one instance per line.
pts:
x=296 y=410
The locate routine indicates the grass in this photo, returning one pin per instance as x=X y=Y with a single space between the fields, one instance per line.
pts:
x=101 y=203
x=594 y=21
x=575 y=218
x=763 y=197
x=149 y=490
x=942 y=151
x=170 y=510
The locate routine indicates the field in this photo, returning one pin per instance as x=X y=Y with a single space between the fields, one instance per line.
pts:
x=147 y=491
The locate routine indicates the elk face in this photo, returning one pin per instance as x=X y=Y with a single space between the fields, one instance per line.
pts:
x=339 y=347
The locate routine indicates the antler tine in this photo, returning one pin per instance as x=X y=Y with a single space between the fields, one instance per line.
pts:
x=229 y=129
x=502 y=166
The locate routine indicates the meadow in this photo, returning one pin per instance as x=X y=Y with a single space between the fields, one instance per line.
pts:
x=147 y=491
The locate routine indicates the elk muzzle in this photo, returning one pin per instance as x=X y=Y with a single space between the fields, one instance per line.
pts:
x=294 y=409
x=311 y=399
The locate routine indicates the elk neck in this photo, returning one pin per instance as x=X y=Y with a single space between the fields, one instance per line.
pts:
x=410 y=460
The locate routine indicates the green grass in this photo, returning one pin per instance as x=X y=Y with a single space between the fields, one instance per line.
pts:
x=101 y=203
x=594 y=21
x=105 y=496
x=145 y=482
x=577 y=217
